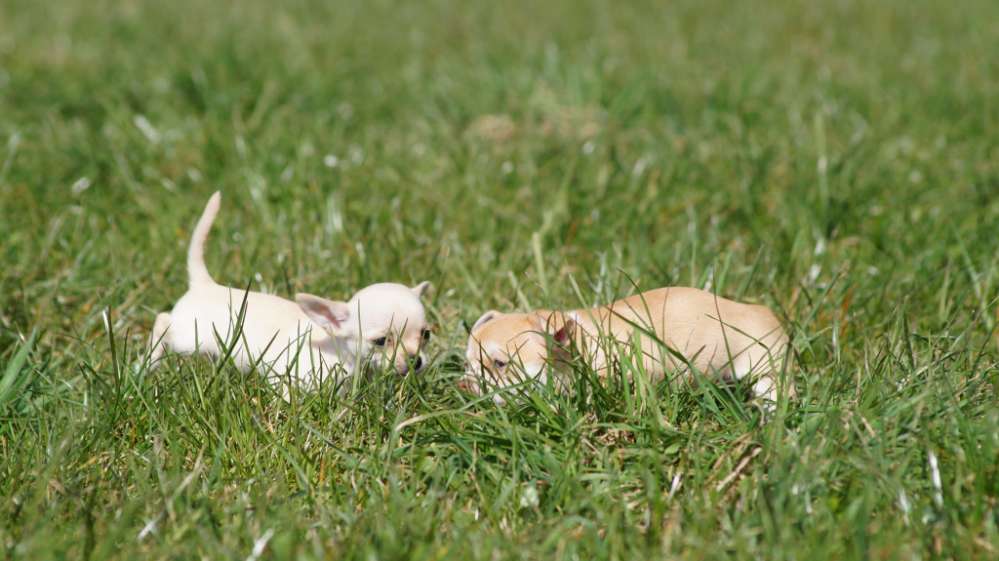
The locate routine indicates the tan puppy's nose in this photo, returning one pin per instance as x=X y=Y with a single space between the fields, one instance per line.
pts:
x=417 y=363
x=466 y=385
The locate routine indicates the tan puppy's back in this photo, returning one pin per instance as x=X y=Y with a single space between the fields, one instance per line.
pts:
x=714 y=334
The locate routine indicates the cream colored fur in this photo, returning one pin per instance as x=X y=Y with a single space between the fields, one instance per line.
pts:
x=299 y=340
x=713 y=334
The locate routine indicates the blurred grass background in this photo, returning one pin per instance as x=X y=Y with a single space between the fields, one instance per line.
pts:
x=838 y=161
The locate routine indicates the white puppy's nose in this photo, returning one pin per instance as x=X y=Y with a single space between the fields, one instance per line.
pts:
x=409 y=364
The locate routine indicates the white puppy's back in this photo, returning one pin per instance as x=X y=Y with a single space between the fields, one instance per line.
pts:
x=275 y=334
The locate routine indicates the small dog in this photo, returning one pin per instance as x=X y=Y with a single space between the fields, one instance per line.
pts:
x=710 y=333
x=382 y=324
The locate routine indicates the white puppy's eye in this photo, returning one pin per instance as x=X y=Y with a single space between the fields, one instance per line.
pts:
x=425 y=334
x=498 y=364
x=379 y=342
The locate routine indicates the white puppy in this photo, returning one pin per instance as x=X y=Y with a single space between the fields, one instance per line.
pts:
x=383 y=324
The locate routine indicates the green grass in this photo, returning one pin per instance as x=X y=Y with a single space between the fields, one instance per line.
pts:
x=836 y=161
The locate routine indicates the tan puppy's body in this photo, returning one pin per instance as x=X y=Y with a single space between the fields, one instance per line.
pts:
x=384 y=324
x=714 y=334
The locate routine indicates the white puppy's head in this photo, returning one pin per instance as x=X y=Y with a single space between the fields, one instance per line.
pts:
x=385 y=323
x=505 y=349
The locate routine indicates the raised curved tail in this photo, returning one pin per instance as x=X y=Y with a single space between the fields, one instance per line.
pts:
x=197 y=273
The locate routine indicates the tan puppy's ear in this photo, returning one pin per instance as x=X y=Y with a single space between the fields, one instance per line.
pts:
x=561 y=326
x=422 y=288
x=328 y=314
x=564 y=333
x=485 y=318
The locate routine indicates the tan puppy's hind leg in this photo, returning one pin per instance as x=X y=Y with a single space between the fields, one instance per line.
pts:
x=774 y=383
x=158 y=339
x=766 y=387
x=772 y=379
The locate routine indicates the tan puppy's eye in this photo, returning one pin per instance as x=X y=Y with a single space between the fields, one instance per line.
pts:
x=498 y=364
x=379 y=342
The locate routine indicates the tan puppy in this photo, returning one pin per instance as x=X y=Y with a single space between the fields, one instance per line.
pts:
x=713 y=334
x=383 y=324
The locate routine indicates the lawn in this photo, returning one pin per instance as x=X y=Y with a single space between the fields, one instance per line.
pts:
x=837 y=161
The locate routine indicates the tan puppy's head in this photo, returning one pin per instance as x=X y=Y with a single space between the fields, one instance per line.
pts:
x=506 y=349
x=385 y=324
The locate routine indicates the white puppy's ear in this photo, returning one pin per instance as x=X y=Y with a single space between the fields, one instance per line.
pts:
x=330 y=315
x=422 y=288
x=485 y=318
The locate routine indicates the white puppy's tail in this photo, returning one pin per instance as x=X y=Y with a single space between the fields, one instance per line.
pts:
x=197 y=273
